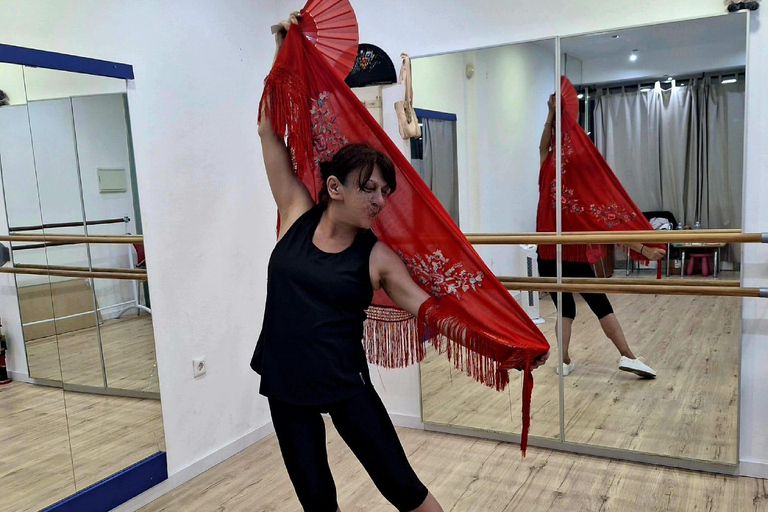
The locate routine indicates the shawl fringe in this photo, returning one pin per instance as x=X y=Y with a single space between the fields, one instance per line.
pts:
x=472 y=351
x=395 y=339
x=286 y=102
x=391 y=338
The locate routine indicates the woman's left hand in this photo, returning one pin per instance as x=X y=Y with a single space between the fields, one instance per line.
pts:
x=653 y=253
x=540 y=361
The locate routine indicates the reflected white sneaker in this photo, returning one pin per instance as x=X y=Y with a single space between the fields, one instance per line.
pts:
x=567 y=368
x=636 y=366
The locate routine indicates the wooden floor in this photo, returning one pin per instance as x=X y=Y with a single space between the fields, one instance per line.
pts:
x=129 y=355
x=39 y=466
x=467 y=475
x=689 y=411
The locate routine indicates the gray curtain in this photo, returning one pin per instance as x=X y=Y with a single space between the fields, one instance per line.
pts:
x=679 y=149
x=440 y=168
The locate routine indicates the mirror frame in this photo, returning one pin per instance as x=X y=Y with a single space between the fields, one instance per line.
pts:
x=139 y=477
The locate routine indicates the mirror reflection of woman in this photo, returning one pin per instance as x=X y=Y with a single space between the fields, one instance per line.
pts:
x=578 y=266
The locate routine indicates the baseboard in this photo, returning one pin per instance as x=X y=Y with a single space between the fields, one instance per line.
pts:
x=407 y=421
x=195 y=469
x=753 y=469
x=116 y=489
x=20 y=377
x=206 y=463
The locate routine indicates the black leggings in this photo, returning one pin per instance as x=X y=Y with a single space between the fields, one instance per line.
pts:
x=363 y=423
x=597 y=302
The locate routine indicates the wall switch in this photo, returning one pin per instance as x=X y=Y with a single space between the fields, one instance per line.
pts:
x=199 y=366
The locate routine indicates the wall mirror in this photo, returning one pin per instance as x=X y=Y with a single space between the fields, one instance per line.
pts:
x=664 y=106
x=91 y=375
x=482 y=114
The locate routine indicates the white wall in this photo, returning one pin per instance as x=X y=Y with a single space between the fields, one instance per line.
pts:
x=199 y=68
x=45 y=84
x=12 y=83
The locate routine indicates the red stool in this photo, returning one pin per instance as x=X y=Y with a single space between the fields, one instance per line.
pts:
x=706 y=260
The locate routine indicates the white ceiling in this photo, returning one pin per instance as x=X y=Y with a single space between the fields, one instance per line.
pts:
x=729 y=30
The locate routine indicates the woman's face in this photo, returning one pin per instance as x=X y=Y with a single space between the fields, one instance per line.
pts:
x=363 y=205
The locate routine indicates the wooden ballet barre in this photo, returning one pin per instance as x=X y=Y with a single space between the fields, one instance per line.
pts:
x=632 y=232
x=721 y=291
x=76 y=239
x=56 y=225
x=139 y=271
x=729 y=283
x=74 y=273
x=661 y=237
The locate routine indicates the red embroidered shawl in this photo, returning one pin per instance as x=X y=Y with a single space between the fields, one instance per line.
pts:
x=593 y=199
x=471 y=316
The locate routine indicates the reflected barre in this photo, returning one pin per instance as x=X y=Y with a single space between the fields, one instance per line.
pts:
x=57 y=225
x=129 y=276
x=82 y=269
x=619 y=237
x=638 y=289
x=75 y=239
x=731 y=283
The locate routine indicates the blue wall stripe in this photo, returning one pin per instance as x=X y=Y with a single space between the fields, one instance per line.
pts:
x=64 y=62
x=433 y=114
x=116 y=489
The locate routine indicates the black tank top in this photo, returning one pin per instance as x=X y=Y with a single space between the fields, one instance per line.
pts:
x=310 y=350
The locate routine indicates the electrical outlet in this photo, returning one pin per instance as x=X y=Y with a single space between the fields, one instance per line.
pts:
x=198 y=365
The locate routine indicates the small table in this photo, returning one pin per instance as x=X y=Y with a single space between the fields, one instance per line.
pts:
x=714 y=247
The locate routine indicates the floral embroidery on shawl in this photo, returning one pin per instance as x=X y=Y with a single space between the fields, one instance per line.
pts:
x=611 y=215
x=434 y=272
x=566 y=151
x=570 y=203
x=326 y=136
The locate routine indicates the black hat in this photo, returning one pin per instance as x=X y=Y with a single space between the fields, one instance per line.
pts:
x=372 y=67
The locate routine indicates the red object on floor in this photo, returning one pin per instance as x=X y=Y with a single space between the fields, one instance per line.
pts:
x=4 y=379
x=706 y=261
x=140 y=258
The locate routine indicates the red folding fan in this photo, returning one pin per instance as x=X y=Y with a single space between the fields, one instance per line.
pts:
x=332 y=26
x=570 y=104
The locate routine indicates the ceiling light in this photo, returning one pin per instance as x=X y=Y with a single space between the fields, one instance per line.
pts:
x=633 y=56
x=728 y=81
x=615 y=37
x=581 y=94
x=670 y=79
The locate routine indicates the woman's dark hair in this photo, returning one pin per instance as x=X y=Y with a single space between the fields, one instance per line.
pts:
x=354 y=157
